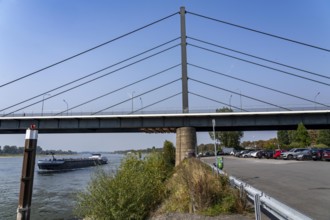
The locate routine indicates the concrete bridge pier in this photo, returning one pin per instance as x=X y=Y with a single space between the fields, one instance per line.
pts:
x=186 y=141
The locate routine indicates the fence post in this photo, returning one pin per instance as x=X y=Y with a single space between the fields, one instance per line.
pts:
x=25 y=195
x=257 y=206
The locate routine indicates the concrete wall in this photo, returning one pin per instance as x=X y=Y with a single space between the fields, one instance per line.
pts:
x=185 y=143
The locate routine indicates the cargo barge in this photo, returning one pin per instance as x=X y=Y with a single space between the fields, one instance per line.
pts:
x=55 y=164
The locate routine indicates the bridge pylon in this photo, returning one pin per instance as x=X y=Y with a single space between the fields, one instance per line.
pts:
x=185 y=106
x=186 y=141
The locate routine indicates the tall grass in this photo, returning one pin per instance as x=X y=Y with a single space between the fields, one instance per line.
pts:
x=195 y=189
x=142 y=187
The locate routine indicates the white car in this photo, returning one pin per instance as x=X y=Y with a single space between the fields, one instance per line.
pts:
x=291 y=153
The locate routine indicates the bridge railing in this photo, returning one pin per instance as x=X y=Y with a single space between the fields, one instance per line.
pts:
x=263 y=202
x=164 y=111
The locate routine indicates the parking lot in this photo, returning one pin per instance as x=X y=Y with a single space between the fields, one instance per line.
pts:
x=302 y=185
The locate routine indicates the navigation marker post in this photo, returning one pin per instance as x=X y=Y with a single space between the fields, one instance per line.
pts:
x=25 y=195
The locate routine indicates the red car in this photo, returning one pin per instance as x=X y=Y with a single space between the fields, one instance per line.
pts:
x=326 y=154
x=277 y=153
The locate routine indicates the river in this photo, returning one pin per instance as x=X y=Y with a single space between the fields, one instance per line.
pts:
x=54 y=194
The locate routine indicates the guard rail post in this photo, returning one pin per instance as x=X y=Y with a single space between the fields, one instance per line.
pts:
x=257 y=206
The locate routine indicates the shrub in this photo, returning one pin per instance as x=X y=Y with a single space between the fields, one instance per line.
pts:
x=132 y=193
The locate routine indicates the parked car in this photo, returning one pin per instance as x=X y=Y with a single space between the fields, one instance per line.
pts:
x=303 y=155
x=317 y=153
x=208 y=154
x=247 y=154
x=326 y=154
x=266 y=154
x=289 y=155
x=256 y=153
x=277 y=153
x=240 y=153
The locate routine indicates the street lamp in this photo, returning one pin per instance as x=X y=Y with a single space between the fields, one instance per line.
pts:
x=215 y=146
x=67 y=107
x=42 y=105
x=315 y=99
x=240 y=98
x=230 y=101
x=132 y=100
x=141 y=105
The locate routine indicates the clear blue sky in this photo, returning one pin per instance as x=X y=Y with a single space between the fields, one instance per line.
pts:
x=37 y=33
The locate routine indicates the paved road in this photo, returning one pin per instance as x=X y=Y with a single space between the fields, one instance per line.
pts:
x=302 y=185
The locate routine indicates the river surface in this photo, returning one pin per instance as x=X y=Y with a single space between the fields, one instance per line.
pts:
x=54 y=194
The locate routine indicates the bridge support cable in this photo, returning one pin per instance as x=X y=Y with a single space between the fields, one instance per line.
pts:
x=185 y=105
x=261 y=32
x=155 y=103
x=92 y=74
x=213 y=100
x=89 y=81
x=257 y=64
x=260 y=58
x=116 y=90
x=130 y=99
x=240 y=94
x=258 y=85
x=90 y=49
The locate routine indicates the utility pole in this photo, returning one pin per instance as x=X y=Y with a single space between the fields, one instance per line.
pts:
x=25 y=194
x=185 y=106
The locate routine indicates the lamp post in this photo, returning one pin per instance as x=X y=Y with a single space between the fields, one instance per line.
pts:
x=42 y=105
x=230 y=101
x=315 y=99
x=67 y=107
x=141 y=105
x=215 y=146
x=132 y=100
x=240 y=99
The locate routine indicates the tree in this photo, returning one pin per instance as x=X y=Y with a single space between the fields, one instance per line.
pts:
x=169 y=154
x=313 y=134
x=291 y=135
x=324 y=137
x=301 y=136
x=283 y=138
x=227 y=138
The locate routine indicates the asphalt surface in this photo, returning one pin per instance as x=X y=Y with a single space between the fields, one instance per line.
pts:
x=302 y=185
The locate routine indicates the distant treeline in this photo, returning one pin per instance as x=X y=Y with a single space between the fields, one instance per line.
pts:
x=143 y=151
x=19 y=150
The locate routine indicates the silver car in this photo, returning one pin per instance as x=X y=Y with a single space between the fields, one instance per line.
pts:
x=291 y=153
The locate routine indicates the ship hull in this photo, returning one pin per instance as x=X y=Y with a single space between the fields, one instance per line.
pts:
x=69 y=164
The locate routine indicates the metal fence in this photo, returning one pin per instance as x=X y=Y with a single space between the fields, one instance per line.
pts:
x=271 y=207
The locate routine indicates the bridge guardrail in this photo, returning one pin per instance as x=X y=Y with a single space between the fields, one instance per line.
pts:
x=264 y=202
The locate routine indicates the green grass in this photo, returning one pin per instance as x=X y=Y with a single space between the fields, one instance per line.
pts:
x=144 y=187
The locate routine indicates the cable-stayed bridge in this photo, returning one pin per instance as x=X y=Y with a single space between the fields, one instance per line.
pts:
x=183 y=70
x=186 y=70
x=166 y=123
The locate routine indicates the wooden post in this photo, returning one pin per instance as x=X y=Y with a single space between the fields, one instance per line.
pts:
x=25 y=195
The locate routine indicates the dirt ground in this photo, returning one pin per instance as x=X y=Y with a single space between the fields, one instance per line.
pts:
x=185 y=216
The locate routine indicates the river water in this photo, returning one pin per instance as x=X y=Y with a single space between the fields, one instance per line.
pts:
x=54 y=194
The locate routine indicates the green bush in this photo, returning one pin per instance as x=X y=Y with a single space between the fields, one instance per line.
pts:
x=141 y=187
x=132 y=193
